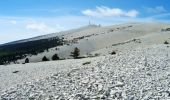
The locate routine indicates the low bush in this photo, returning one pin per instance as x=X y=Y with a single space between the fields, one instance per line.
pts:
x=15 y=72
x=113 y=52
x=96 y=54
x=86 y=63
x=166 y=42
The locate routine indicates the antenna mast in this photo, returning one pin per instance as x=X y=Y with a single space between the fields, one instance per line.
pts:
x=89 y=23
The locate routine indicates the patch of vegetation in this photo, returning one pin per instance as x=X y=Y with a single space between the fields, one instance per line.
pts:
x=137 y=40
x=166 y=42
x=15 y=71
x=45 y=58
x=31 y=98
x=86 y=63
x=55 y=57
x=89 y=55
x=27 y=60
x=12 y=52
x=96 y=54
x=113 y=52
x=3 y=53
x=167 y=29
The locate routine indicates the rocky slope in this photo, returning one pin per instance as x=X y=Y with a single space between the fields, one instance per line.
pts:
x=140 y=74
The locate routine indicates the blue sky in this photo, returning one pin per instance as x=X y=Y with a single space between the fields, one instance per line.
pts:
x=20 y=19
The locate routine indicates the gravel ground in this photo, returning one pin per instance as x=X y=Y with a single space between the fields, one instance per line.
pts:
x=141 y=74
x=17 y=74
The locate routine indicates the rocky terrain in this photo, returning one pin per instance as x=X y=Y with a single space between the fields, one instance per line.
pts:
x=142 y=73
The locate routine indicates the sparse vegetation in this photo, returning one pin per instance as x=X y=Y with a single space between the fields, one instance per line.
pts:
x=166 y=42
x=45 y=58
x=86 y=63
x=167 y=29
x=55 y=57
x=90 y=55
x=113 y=52
x=15 y=71
x=56 y=48
x=137 y=40
x=96 y=54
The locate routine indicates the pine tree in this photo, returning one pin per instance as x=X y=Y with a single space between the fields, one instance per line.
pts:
x=45 y=58
x=75 y=54
x=26 y=60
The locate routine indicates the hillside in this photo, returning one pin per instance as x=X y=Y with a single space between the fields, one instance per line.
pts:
x=120 y=62
x=91 y=40
x=142 y=73
x=102 y=40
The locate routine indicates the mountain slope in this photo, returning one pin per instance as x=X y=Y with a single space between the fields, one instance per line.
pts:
x=142 y=73
x=93 y=40
x=103 y=40
x=138 y=69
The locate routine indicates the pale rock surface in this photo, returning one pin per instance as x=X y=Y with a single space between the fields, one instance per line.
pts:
x=138 y=74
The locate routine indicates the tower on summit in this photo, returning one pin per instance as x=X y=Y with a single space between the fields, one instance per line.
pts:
x=89 y=22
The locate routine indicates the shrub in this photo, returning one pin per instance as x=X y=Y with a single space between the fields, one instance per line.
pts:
x=90 y=55
x=55 y=57
x=15 y=71
x=75 y=54
x=26 y=60
x=166 y=42
x=56 y=48
x=113 y=53
x=86 y=63
x=45 y=58
x=167 y=29
x=96 y=54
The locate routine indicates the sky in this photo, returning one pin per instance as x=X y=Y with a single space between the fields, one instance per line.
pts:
x=21 y=19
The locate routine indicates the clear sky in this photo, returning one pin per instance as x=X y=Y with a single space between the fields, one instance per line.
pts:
x=20 y=19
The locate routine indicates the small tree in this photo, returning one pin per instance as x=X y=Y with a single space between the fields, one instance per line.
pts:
x=55 y=57
x=75 y=54
x=26 y=60
x=45 y=58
